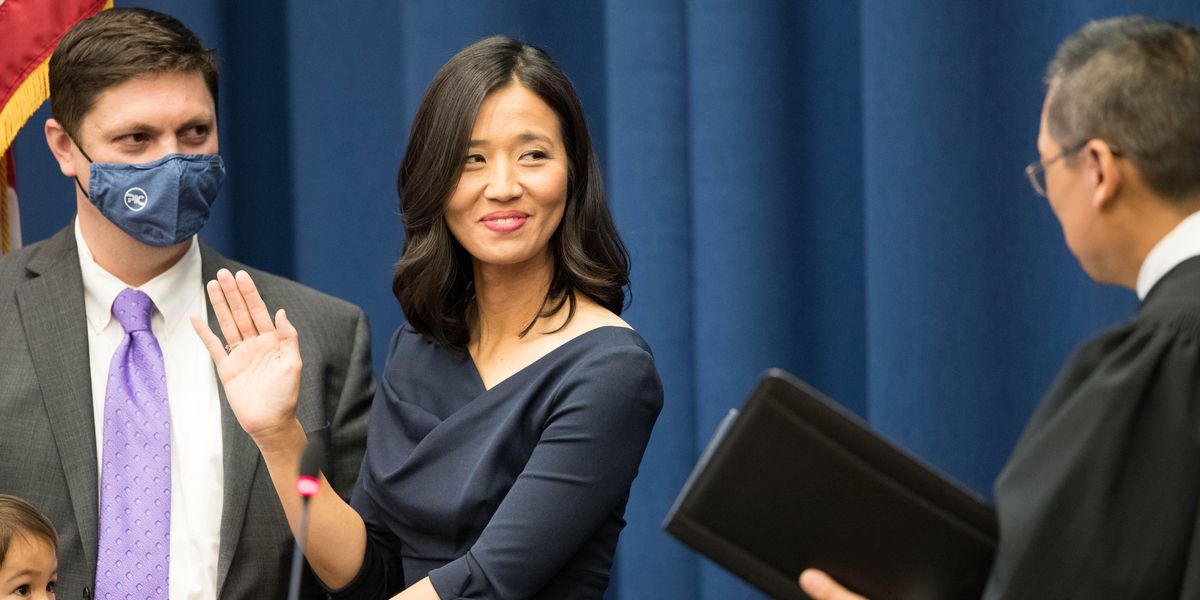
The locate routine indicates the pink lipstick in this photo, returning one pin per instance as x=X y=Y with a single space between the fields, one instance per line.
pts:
x=504 y=221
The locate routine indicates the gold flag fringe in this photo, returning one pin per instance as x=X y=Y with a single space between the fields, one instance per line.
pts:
x=24 y=102
x=3 y=204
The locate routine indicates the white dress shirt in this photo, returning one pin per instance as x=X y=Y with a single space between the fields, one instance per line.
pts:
x=1180 y=244
x=197 y=483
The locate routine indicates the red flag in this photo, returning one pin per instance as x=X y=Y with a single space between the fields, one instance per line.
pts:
x=30 y=30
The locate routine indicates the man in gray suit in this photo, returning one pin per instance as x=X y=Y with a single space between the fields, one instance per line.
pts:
x=133 y=95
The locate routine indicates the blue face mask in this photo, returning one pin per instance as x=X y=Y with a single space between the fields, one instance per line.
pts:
x=160 y=203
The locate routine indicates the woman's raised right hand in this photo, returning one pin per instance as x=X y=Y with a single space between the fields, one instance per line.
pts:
x=260 y=366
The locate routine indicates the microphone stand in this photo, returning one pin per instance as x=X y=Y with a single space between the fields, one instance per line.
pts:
x=307 y=485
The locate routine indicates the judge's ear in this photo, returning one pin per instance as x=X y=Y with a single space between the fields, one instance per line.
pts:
x=63 y=148
x=1101 y=168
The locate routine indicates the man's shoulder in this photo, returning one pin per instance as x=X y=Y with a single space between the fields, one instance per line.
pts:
x=281 y=292
x=1176 y=296
x=16 y=260
x=15 y=266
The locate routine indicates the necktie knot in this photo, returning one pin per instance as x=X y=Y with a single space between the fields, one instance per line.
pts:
x=132 y=309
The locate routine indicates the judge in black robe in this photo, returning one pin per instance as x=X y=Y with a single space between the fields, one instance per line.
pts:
x=1101 y=497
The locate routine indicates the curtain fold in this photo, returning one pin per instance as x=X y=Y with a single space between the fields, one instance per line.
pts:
x=647 y=171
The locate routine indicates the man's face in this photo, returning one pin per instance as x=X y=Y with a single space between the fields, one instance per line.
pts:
x=144 y=119
x=1068 y=194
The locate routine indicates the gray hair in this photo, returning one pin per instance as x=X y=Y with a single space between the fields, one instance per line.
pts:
x=1135 y=83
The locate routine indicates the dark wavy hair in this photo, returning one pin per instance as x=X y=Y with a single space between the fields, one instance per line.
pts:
x=434 y=280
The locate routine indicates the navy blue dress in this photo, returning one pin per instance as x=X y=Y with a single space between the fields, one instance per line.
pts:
x=514 y=492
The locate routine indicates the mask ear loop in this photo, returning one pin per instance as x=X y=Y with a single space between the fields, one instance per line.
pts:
x=90 y=161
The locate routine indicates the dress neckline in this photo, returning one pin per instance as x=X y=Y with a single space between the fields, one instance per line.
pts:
x=515 y=374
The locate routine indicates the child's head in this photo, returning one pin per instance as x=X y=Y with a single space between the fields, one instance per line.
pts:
x=28 y=548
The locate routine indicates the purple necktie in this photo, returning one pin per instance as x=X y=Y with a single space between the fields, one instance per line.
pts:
x=135 y=479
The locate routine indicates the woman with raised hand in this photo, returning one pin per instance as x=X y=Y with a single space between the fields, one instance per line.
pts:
x=516 y=404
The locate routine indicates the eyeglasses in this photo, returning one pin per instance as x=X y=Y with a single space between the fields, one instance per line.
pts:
x=1036 y=170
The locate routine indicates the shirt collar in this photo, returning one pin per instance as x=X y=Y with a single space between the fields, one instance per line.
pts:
x=171 y=291
x=1182 y=243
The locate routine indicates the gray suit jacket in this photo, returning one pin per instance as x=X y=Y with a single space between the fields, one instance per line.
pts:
x=47 y=431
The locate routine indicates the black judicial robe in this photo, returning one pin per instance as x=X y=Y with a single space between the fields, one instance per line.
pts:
x=1101 y=496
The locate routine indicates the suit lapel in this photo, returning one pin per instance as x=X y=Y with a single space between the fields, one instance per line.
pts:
x=239 y=454
x=55 y=324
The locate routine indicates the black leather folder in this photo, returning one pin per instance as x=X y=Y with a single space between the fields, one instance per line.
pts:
x=794 y=481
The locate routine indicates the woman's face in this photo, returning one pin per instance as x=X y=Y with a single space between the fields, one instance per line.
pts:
x=512 y=192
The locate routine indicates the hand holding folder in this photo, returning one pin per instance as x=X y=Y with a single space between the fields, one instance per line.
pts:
x=821 y=586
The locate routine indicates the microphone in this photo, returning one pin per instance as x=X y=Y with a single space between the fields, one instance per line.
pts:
x=308 y=483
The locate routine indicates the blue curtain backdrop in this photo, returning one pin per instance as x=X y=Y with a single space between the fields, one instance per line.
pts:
x=826 y=186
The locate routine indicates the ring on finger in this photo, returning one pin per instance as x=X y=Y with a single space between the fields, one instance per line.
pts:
x=230 y=347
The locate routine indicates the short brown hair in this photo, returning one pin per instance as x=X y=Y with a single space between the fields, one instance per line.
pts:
x=115 y=46
x=1134 y=83
x=20 y=518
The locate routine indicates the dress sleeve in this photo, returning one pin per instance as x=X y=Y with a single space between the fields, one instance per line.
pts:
x=579 y=473
x=382 y=573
